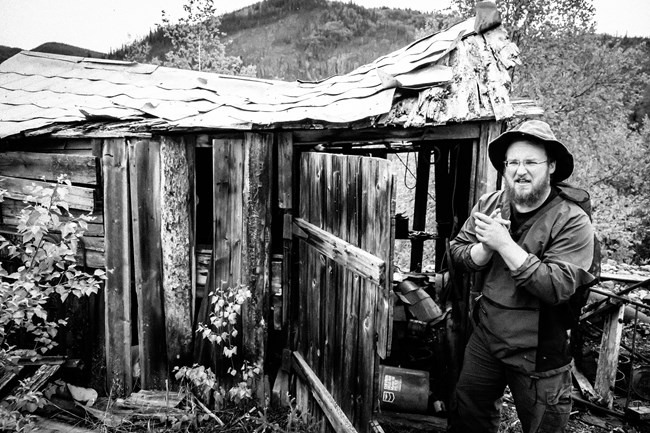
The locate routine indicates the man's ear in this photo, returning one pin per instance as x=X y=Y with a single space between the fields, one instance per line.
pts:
x=551 y=167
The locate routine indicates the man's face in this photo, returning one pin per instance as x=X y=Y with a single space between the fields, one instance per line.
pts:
x=527 y=181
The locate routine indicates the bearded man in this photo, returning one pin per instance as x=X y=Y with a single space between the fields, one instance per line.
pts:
x=533 y=248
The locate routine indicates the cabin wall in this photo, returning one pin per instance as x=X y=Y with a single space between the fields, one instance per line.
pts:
x=142 y=192
x=39 y=162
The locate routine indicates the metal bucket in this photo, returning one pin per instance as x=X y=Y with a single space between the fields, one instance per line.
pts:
x=403 y=389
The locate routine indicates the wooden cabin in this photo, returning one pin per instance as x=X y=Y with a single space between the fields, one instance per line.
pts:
x=285 y=187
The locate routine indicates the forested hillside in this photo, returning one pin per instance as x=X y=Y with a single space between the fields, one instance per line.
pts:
x=313 y=39
x=53 y=48
x=594 y=88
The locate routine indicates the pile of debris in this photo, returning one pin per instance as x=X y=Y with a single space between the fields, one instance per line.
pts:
x=32 y=386
x=613 y=369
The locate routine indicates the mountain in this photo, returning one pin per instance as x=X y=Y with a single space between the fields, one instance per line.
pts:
x=53 y=48
x=6 y=52
x=307 y=39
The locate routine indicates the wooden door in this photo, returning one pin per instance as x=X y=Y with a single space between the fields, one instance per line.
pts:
x=345 y=237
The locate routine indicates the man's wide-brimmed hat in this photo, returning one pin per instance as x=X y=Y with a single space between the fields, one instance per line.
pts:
x=536 y=131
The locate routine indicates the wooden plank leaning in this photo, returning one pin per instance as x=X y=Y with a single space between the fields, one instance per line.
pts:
x=339 y=422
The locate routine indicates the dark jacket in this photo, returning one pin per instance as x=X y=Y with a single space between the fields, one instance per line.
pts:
x=524 y=313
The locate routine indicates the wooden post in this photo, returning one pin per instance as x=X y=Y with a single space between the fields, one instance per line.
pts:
x=486 y=175
x=117 y=293
x=285 y=203
x=144 y=179
x=190 y=154
x=420 y=211
x=175 y=241
x=608 y=358
x=257 y=193
x=443 y=202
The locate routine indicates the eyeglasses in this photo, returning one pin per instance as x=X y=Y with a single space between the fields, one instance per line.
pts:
x=513 y=164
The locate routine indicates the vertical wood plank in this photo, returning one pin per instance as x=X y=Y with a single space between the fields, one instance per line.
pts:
x=97 y=316
x=302 y=393
x=368 y=293
x=420 y=207
x=316 y=190
x=228 y=166
x=390 y=261
x=477 y=172
x=335 y=316
x=384 y=215
x=316 y=217
x=175 y=240
x=144 y=181
x=287 y=274
x=328 y=290
x=285 y=170
x=190 y=155
x=352 y=296
x=443 y=202
x=117 y=292
x=303 y=260
x=258 y=252
x=285 y=201
x=487 y=176
x=610 y=344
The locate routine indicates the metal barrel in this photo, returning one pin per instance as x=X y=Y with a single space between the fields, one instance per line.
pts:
x=403 y=389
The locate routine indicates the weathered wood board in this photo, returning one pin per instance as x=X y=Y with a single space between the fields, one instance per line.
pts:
x=79 y=169
x=117 y=292
x=144 y=177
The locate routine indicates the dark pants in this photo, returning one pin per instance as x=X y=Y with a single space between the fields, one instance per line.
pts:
x=543 y=404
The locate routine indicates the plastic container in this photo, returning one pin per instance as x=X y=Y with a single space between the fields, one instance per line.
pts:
x=403 y=389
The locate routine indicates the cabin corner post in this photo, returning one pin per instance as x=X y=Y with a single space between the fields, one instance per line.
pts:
x=117 y=291
x=256 y=260
x=486 y=175
x=175 y=198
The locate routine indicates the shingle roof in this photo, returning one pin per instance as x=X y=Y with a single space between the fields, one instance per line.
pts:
x=454 y=75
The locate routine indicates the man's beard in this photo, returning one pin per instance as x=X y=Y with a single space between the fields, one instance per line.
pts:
x=529 y=198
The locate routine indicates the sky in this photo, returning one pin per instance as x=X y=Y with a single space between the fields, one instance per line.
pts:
x=102 y=25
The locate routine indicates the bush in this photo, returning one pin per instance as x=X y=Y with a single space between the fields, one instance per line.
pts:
x=39 y=265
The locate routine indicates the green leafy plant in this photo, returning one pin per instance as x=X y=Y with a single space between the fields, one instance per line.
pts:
x=38 y=266
x=222 y=330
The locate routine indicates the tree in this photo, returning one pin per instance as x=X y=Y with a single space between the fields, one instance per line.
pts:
x=38 y=268
x=436 y=22
x=197 y=43
x=528 y=20
x=588 y=86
